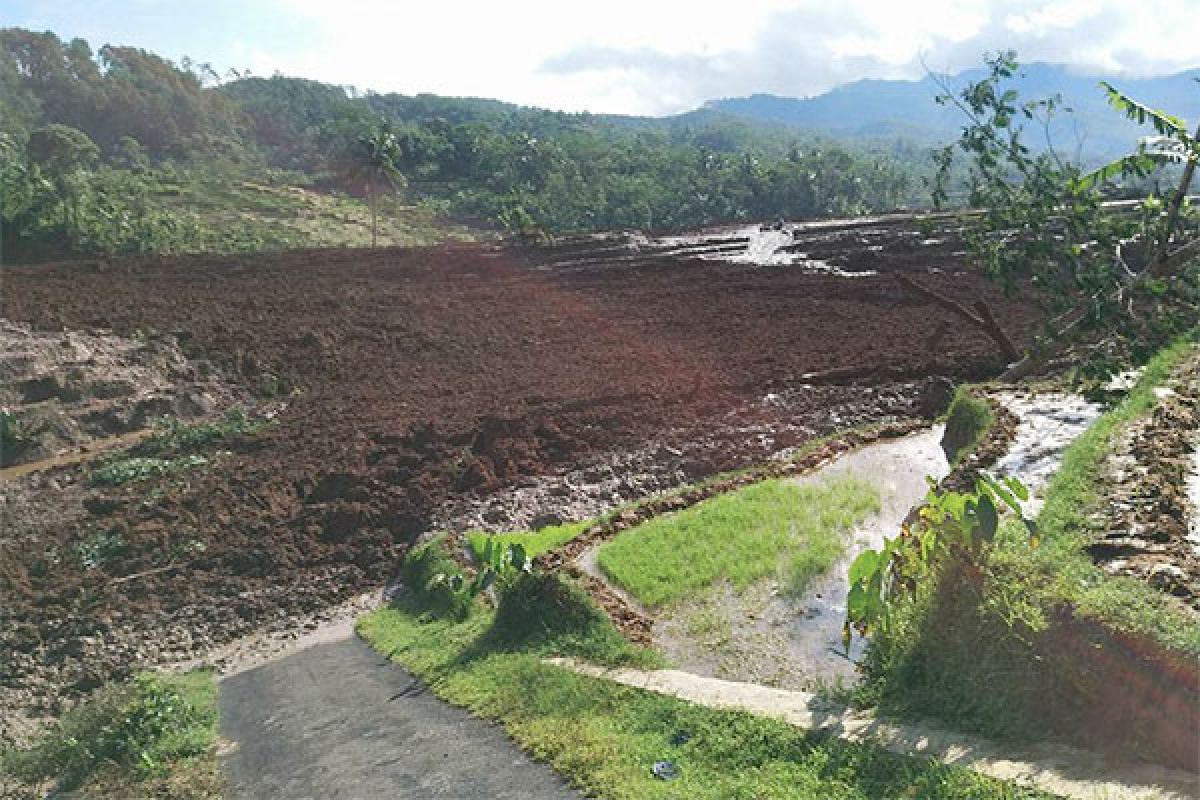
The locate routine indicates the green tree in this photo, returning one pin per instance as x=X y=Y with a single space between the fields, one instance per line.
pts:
x=371 y=159
x=64 y=154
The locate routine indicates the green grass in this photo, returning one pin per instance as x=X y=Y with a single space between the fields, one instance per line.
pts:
x=153 y=737
x=535 y=543
x=967 y=420
x=772 y=527
x=604 y=737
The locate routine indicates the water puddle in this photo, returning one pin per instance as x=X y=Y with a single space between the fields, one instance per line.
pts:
x=1048 y=424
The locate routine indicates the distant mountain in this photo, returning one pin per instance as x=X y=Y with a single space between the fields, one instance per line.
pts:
x=895 y=108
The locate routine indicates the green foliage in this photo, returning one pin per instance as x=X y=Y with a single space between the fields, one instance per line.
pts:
x=17 y=436
x=952 y=526
x=173 y=153
x=535 y=543
x=742 y=537
x=99 y=548
x=139 y=730
x=968 y=420
x=604 y=737
x=175 y=436
x=1042 y=222
x=426 y=572
x=119 y=471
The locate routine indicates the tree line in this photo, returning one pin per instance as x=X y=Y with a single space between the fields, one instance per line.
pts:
x=92 y=141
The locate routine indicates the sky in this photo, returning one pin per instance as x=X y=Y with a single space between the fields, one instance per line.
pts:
x=628 y=56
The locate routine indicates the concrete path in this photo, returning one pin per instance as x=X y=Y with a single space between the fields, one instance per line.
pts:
x=1053 y=768
x=338 y=720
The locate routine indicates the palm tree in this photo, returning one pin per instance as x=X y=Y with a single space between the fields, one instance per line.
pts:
x=372 y=160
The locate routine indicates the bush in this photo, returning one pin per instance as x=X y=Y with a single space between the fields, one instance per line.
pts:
x=967 y=421
x=426 y=573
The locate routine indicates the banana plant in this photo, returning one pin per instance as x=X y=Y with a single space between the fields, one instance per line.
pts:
x=950 y=523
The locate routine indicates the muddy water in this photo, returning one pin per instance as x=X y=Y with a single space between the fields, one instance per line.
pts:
x=763 y=636
x=1048 y=423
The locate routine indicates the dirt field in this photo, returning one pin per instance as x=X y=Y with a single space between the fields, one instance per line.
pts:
x=417 y=384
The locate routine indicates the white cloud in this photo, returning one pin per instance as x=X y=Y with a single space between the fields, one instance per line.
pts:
x=640 y=56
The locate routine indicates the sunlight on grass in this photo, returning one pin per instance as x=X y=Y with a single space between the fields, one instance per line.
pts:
x=773 y=527
x=535 y=542
x=604 y=737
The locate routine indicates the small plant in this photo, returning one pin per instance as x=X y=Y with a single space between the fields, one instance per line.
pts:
x=100 y=548
x=126 y=470
x=497 y=563
x=174 y=436
x=950 y=525
x=139 y=728
x=16 y=436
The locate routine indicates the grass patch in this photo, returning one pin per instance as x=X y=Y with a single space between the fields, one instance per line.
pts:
x=773 y=527
x=153 y=737
x=535 y=543
x=605 y=737
x=967 y=420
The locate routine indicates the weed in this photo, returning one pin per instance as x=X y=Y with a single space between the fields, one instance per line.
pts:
x=100 y=548
x=535 y=542
x=134 y=732
x=120 y=471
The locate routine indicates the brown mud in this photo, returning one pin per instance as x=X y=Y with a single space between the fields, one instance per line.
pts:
x=419 y=383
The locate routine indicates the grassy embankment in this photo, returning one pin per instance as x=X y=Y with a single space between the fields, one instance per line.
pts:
x=1000 y=652
x=152 y=737
x=605 y=737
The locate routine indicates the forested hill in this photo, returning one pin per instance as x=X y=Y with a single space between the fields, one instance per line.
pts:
x=118 y=149
x=879 y=108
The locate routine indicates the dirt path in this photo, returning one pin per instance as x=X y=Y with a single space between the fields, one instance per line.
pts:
x=338 y=720
x=1053 y=768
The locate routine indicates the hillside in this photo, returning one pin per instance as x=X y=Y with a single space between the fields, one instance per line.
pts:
x=891 y=108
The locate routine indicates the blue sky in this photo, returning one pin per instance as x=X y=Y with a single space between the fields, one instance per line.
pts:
x=628 y=56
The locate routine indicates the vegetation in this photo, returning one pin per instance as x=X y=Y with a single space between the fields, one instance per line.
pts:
x=742 y=537
x=979 y=636
x=968 y=419
x=172 y=448
x=123 y=151
x=535 y=543
x=1042 y=223
x=153 y=737
x=605 y=737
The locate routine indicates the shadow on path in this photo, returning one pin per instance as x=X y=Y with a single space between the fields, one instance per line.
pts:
x=338 y=720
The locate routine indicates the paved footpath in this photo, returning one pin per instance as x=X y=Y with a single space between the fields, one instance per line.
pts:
x=338 y=720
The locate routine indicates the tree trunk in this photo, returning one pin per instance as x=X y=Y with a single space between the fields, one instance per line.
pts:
x=981 y=317
x=1160 y=265
x=374 y=213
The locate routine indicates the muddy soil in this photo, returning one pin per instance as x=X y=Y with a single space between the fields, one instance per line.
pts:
x=1152 y=529
x=419 y=384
